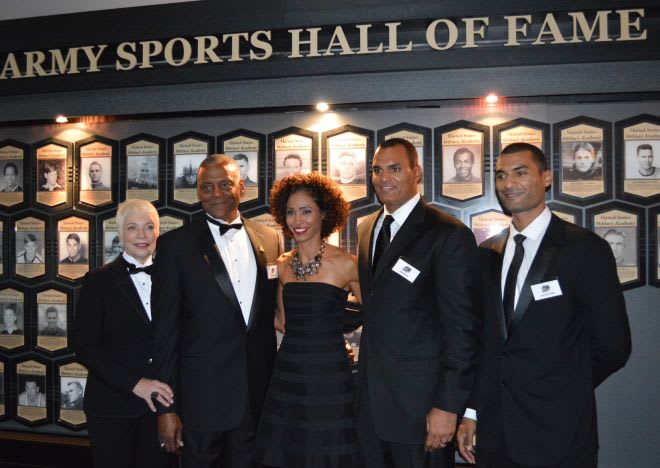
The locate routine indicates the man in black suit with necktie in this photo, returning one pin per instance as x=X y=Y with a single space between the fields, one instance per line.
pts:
x=214 y=300
x=555 y=327
x=420 y=340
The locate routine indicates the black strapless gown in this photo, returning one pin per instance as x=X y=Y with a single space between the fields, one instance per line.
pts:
x=307 y=421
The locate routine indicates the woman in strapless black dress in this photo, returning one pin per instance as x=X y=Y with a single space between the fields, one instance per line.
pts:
x=307 y=421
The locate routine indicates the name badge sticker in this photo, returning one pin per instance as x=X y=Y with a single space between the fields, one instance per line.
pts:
x=406 y=270
x=271 y=268
x=546 y=290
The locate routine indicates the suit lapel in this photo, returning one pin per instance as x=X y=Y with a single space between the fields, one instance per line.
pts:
x=408 y=232
x=365 y=247
x=127 y=288
x=209 y=251
x=543 y=259
x=256 y=240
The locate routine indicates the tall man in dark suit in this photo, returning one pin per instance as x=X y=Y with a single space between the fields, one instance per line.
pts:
x=420 y=338
x=555 y=327
x=214 y=301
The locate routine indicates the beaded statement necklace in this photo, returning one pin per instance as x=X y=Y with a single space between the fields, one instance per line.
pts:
x=302 y=271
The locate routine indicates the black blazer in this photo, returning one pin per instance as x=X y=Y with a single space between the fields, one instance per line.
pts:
x=536 y=381
x=420 y=339
x=203 y=348
x=114 y=340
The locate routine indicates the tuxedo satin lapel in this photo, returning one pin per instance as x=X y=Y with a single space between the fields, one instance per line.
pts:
x=495 y=279
x=127 y=288
x=209 y=251
x=257 y=241
x=366 y=244
x=407 y=233
x=544 y=257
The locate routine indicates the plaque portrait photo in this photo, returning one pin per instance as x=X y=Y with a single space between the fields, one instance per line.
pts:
x=641 y=160
x=31 y=391
x=186 y=167
x=12 y=325
x=72 y=387
x=248 y=164
x=462 y=164
x=186 y=154
x=346 y=153
x=293 y=155
x=582 y=161
x=52 y=319
x=142 y=155
x=53 y=158
x=12 y=172
x=73 y=247
x=112 y=246
x=51 y=176
x=29 y=246
x=620 y=229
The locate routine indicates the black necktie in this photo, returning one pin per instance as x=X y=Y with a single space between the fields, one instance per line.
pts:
x=224 y=227
x=509 y=297
x=134 y=270
x=383 y=240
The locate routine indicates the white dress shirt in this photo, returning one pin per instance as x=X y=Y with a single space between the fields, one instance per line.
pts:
x=236 y=251
x=533 y=233
x=142 y=282
x=400 y=215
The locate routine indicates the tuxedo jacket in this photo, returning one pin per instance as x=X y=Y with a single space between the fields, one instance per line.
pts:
x=536 y=380
x=113 y=338
x=215 y=363
x=420 y=339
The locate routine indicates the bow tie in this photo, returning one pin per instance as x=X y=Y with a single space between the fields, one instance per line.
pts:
x=134 y=270
x=224 y=227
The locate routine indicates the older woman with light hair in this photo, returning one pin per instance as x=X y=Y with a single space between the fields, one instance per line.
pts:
x=114 y=339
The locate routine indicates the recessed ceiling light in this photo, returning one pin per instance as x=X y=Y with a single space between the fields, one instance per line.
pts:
x=322 y=107
x=61 y=119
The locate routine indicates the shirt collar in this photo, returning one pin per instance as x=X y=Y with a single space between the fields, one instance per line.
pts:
x=402 y=213
x=536 y=228
x=238 y=219
x=130 y=259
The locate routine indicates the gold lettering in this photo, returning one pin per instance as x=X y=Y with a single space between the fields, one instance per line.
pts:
x=150 y=49
x=470 y=31
x=364 y=41
x=551 y=27
x=235 y=45
x=205 y=48
x=64 y=66
x=11 y=65
x=93 y=58
x=513 y=29
x=338 y=39
x=296 y=42
x=627 y=25
x=260 y=44
x=580 y=22
x=452 y=32
x=392 y=37
x=33 y=64
x=128 y=55
x=185 y=55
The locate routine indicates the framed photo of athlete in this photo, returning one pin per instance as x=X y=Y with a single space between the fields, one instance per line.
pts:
x=347 y=152
x=53 y=187
x=71 y=381
x=185 y=153
x=248 y=149
x=31 y=260
x=75 y=250
x=143 y=169
x=14 y=320
x=51 y=314
x=638 y=159
x=32 y=401
x=582 y=161
x=462 y=164
x=111 y=246
x=97 y=184
x=293 y=150
x=623 y=227
x=14 y=172
x=421 y=138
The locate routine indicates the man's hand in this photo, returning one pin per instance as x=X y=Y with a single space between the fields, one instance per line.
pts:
x=169 y=432
x=148 y=388
x=466 y=436
x=440 y=429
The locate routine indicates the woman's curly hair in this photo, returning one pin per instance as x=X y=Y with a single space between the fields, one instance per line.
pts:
x=323 y=190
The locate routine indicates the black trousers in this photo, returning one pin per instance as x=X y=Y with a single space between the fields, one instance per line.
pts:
x=226 y=449
x=377 y=453
x=125 y=442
